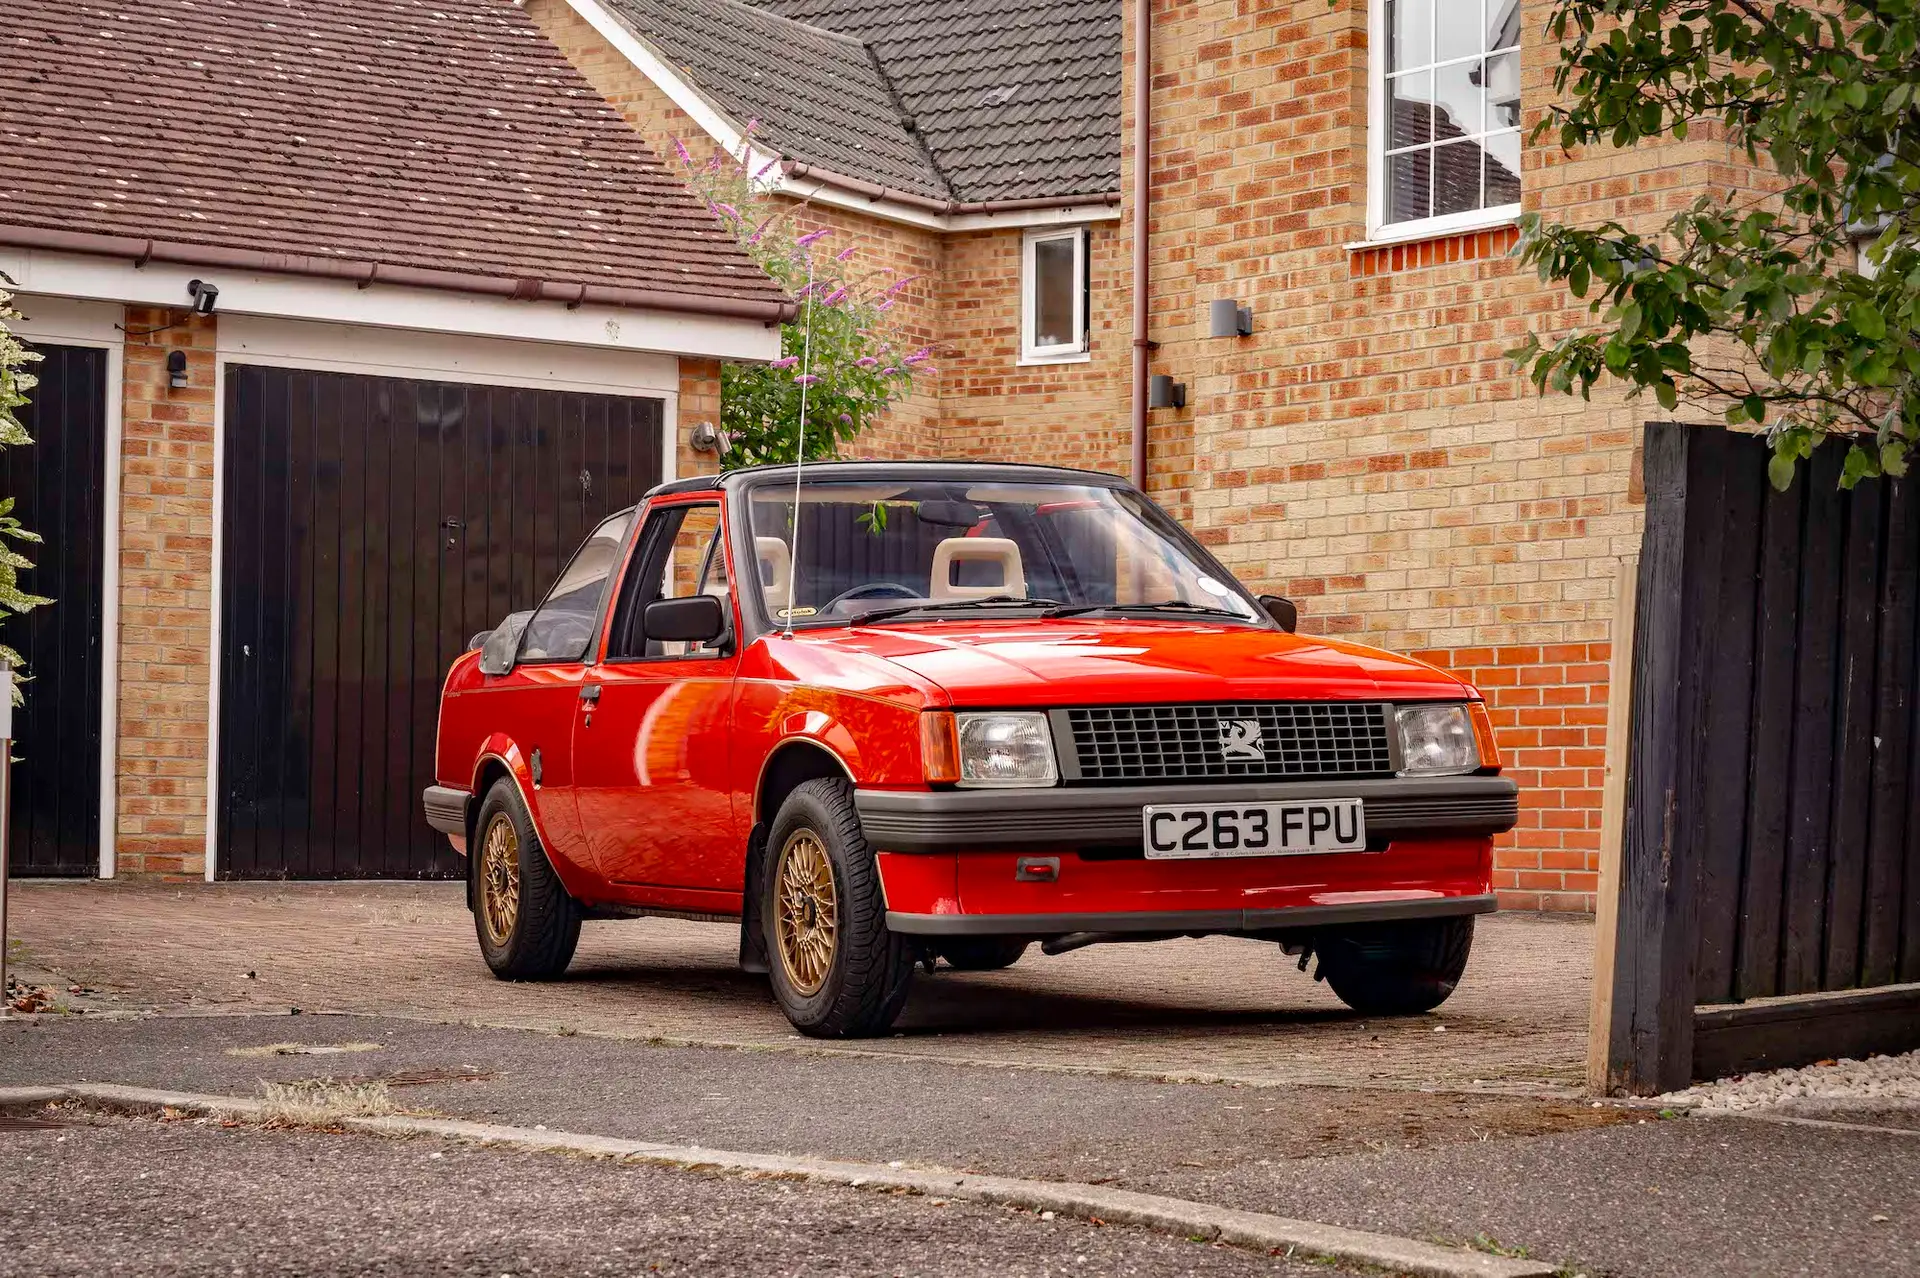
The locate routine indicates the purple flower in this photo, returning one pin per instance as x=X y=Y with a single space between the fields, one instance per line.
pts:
x=928 y=368
x=713 y=162
x=787 y=361
x=885 y=306
x=846 y=419
x=680 y=149
x=766 y=168
x=836 y=297
x=753 y=124
x=845 y=253
x=805 y=379
x=728 y=209
x=900 y=283
x=812 y=236
x=889 y=371
x=920 y=356
x=866 y=361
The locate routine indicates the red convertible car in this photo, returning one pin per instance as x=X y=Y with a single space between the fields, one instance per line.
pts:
x=884 y=714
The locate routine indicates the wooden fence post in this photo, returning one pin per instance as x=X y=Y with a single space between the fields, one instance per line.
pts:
x=1613 y=808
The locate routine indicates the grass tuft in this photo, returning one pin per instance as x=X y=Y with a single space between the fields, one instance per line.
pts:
x=322 y=1103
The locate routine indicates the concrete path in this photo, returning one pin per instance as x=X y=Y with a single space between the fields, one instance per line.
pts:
x=1218 y=1008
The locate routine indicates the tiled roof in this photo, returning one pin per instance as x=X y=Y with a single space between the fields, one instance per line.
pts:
x=430 y=135
x=817 y=95
x=1016 y=99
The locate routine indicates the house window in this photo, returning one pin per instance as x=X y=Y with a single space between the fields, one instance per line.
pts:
x=1445 y=141
x=1053 y=292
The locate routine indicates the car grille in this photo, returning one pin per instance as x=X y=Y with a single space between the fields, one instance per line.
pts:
x=1271 y=740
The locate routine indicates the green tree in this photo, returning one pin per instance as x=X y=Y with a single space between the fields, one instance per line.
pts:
x=1757 y=305
x=15 y=383
x=856 y=362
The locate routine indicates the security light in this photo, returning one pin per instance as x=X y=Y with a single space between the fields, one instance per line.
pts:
x=176 y=369
x=205 y=296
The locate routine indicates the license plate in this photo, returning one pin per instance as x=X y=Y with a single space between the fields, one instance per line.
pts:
x=1301 y=828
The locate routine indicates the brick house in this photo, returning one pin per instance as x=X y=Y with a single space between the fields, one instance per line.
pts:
x=354 y=317
x=1349 y=173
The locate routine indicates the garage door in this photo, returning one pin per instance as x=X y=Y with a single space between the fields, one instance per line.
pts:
x=369 y=527
x=57 y=488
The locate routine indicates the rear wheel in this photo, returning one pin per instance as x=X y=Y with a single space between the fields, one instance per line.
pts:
x=527 y=923
x=837 y=971
x=1396 y=969
x=983 y=953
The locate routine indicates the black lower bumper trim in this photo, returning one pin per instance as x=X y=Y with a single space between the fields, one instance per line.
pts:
x=1076 y=817
x=446 y=808
x=1301 y=917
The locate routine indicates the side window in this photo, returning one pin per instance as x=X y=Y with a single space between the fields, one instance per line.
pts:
x=1053 y=302
x=681 y=554
x=564 y=626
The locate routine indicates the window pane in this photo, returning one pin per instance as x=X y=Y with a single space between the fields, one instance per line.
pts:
x=1411 y=99
x=1503 y=168
x=1410 y=33
x=1503 y=91
x=565 y=625
x=1459 y=100
x=1456 y=29
x=1408 y=184
x=1054 y=287
x=1503 y=24
x=1456 y=177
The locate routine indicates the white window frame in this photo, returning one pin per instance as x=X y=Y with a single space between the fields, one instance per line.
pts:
x=1074 y=352
x=1379 y=230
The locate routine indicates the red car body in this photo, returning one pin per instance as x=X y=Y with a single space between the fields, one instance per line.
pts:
x=648 y=783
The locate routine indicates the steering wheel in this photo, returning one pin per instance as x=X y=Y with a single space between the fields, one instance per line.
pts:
x=872 y=590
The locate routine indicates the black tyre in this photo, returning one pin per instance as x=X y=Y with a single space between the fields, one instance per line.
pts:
x=983 y=953
x=1396 y=969
x=837 y=971
x=527 y=923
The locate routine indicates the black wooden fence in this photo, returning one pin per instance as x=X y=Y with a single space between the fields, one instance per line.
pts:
x=1771 y=835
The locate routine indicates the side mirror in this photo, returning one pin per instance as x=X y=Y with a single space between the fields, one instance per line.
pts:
x=695 y=619
x=501 y=649
x=1284 y=611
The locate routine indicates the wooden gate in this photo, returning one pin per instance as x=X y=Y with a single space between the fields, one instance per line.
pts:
x=369 y=527
x=58 y=487
x=1769 y=846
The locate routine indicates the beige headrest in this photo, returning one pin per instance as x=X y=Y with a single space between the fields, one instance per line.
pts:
x=775 y=566
x=977 y=550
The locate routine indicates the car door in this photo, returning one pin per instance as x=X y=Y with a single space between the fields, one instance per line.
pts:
x=535 y=703
x=651 y=745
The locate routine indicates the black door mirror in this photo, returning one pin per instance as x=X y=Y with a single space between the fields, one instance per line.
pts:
x=695 y=619
x=1284 y=611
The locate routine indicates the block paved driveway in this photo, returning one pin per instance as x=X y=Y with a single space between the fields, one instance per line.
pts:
x=1216 y=1008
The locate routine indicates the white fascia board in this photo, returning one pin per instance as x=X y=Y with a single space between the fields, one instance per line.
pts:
x=393 y=306
x=678 y=89
x=815 y=191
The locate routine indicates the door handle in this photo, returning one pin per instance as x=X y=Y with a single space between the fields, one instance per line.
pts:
x=590 y=693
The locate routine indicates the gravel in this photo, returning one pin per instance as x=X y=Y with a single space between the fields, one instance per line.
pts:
x=1877 y=1079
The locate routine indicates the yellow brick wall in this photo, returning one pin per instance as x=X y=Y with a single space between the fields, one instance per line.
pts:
x=166 y=595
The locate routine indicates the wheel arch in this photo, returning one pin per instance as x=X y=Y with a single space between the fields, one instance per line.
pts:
x=791 y=764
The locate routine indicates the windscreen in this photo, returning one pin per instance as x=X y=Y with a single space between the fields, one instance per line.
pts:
x=925 y=549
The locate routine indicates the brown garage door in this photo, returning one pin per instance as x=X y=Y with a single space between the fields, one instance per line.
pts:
x=370 y=525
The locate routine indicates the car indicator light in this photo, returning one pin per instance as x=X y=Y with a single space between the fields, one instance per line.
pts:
x=939 y=747
x=1483 y=736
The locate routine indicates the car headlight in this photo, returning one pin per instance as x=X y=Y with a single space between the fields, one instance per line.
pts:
x=1006 y=748
x=1436 y=739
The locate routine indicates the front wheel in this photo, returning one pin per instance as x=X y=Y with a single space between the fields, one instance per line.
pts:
x=527 y=923
x=1396 y=969
x=837 y=971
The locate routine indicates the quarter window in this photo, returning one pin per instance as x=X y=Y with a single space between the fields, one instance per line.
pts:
x=1053 y=321
x=1445 y=140
x=569 y=619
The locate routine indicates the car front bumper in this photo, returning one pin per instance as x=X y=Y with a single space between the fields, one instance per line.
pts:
x=1086 y=817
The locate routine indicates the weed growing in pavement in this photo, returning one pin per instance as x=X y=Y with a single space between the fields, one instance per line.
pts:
x=322 y=1103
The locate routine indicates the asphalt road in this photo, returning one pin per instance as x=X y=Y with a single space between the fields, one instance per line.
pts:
x=1691 y=1198
x=139 y=1196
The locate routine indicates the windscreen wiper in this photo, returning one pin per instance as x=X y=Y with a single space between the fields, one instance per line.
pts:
x=952 y=605
x=1162 y=605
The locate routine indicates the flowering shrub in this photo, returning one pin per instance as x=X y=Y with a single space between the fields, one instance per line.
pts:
x=858 y=362
x=15 y=382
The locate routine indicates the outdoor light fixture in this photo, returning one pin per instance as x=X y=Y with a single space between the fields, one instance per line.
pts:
x=704 y=438
x=176 y=369
x=1227 y=318
x=205 y=296
x=1164 y=392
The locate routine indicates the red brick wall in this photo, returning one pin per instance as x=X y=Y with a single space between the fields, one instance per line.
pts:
x=166 y=595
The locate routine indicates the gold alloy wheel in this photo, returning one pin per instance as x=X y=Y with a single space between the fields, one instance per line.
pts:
x=500 y=878
x=806 y=913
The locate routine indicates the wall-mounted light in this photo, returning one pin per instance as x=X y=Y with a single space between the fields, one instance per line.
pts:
x=205 y=296
x=1164 y=392
x=1227 y=318
x=176 y=369
x=705 y=437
